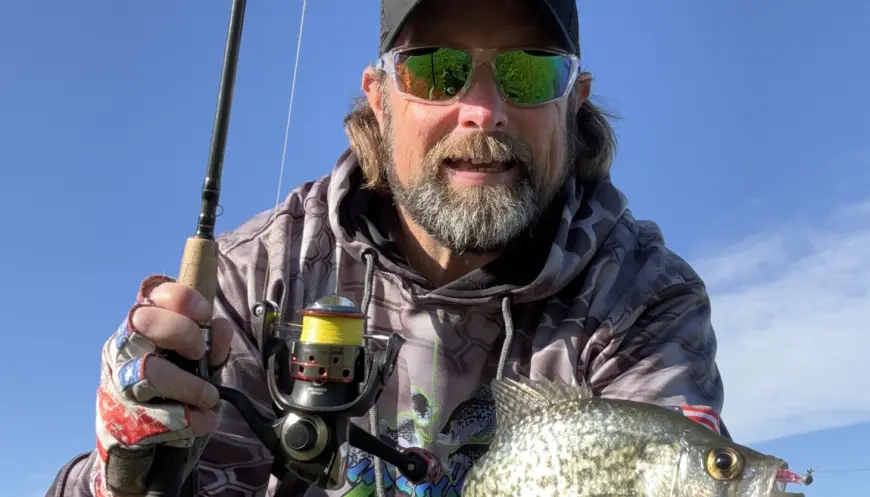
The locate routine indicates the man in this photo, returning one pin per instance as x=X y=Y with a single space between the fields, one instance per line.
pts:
x=474 y=215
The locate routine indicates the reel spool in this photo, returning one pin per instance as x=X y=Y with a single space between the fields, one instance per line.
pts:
x=328 y=359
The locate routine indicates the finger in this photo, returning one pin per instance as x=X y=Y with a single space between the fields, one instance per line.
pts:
x=222 y=331
x=169 y=330
x=182 y=300
x=203 y=421
x=171 y=382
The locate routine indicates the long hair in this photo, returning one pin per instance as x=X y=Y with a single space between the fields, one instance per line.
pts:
x=595 y=145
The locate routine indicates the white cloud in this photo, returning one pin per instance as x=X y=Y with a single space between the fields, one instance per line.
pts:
x=792 y=315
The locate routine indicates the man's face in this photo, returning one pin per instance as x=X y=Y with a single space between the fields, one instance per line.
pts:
x=473 y=174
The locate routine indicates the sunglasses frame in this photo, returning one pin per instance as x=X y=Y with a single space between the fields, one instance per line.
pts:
x=479 y=57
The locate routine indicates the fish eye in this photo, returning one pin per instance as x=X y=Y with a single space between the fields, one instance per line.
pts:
x=724 y=463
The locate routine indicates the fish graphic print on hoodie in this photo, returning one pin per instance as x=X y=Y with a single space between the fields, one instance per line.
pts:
x=591 y=294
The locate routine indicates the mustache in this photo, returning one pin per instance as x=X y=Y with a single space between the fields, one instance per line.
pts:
x=493 y=146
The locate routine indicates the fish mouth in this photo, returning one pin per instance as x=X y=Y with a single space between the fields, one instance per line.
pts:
x=764 y=477
x=780 y=477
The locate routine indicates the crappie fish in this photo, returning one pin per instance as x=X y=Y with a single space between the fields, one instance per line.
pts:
x=561 y=440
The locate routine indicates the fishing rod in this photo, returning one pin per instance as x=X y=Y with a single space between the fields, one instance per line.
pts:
x=319 y=378
x=199 y=260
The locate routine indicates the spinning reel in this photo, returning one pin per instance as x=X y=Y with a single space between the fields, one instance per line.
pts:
x=319 y=382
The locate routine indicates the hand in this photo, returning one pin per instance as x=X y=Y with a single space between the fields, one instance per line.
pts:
x=134 y=379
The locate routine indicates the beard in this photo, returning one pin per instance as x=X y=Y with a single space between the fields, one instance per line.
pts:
x=476 y=219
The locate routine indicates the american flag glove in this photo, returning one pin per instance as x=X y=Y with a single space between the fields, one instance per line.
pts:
x=703 y=415
x=128 y=428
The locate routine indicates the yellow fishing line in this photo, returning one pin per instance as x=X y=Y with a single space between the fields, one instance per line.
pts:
x=332 y=330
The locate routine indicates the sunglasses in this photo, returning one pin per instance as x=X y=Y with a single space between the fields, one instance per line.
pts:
x=441 y=75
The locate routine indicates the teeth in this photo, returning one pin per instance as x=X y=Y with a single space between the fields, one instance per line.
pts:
x=483 y=166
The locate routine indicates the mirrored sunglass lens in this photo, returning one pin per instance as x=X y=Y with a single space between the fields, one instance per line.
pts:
x=433 y=74
x=530 y=78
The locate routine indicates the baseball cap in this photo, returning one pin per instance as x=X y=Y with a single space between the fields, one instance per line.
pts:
x=562 y=14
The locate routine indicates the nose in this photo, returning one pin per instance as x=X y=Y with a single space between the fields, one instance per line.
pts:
x=482 y=108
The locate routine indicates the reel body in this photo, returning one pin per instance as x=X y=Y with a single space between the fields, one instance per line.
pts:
x=319 y=382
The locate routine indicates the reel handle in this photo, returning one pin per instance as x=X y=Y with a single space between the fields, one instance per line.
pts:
x=416 y=465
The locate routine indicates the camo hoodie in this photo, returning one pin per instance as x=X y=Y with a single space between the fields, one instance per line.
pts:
x=591 y=294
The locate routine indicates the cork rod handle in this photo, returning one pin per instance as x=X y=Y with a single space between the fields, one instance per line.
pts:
x=199 y=266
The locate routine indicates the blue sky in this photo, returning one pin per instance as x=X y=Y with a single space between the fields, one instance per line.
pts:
x=744 y=133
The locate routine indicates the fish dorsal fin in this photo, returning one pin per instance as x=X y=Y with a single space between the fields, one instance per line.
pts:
x=517 y=399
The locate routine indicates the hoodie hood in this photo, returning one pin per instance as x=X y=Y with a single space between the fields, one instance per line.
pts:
x=536 y=266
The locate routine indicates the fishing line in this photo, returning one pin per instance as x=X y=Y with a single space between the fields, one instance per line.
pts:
x=829 y=471
x=290 y=107
x=286 y=136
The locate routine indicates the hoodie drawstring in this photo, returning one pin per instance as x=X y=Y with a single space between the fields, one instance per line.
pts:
x=370 y=257
x=508 y=336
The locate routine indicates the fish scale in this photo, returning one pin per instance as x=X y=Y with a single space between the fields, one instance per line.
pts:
x=556 y=439
x=561 y=458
